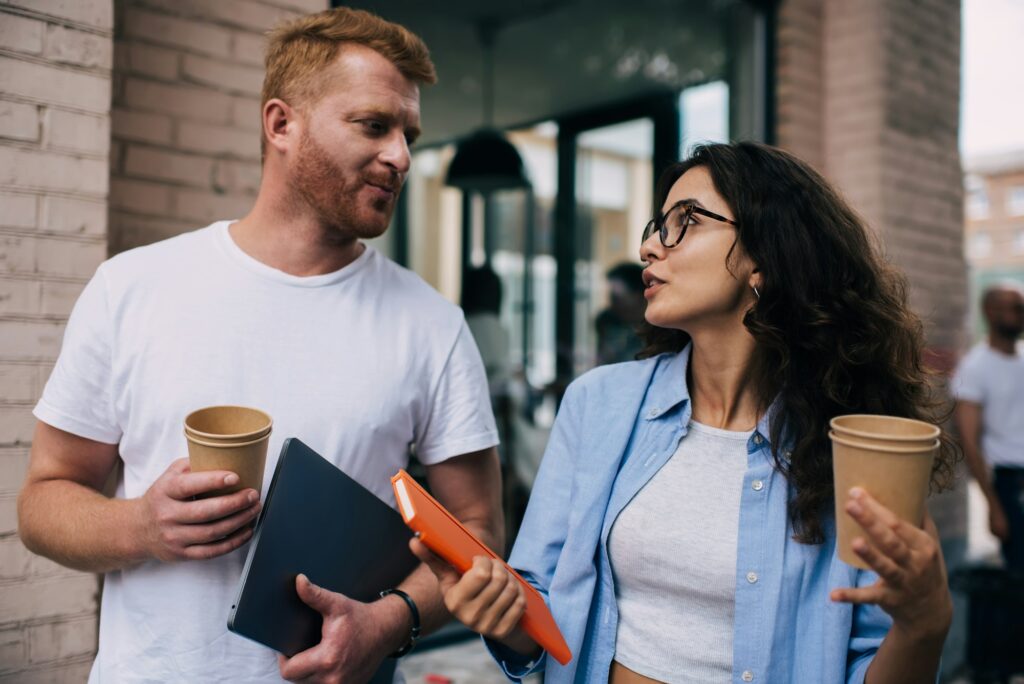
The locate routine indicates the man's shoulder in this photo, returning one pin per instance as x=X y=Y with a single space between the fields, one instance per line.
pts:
x=166 y=253
x=406 y=291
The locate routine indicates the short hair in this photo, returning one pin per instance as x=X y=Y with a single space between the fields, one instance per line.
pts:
x=629 y=274
x=989 y=295
x=300 y=49
x=481 y=291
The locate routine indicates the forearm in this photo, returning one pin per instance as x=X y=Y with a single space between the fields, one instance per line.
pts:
x=906 y=659
x=78 y=527
x=422 y=585
x=979 y=469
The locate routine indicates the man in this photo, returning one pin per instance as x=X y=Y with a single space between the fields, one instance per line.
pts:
x=286 y=310
x=617 y=325
x=989 y=387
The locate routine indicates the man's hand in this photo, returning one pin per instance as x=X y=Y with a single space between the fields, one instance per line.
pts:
x=997 y=521
x=176 y=527
x=355 y=640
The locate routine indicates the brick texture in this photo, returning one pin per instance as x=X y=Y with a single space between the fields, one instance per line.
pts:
x=55 y=90
x=869 y=93
x=186 y=122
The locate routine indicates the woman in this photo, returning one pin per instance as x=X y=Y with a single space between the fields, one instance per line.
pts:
x=681 y=525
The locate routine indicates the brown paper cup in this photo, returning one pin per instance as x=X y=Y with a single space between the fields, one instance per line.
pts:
x=246 y=459
x=896 y=476
x=885 y=430
x=228 y=424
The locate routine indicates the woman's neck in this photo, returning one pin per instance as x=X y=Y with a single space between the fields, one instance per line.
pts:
x=722 y=391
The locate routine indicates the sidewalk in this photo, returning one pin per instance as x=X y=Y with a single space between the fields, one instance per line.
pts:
x=463 y=663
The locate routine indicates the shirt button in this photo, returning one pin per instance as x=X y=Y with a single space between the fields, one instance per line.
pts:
x=752 y=578
x=653 y=413
x=757 y=485
x=758 y=439
x=748 y=676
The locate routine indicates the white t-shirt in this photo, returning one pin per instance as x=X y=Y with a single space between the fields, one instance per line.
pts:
x=675 y=585
x=996 y=381
x=359 y=364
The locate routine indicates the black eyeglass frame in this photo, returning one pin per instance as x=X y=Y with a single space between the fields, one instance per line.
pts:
x=691 y=208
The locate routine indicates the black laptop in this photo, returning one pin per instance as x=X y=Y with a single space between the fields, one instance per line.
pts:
x=320 y=522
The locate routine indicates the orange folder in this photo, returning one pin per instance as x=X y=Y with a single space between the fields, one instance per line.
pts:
x=445 y=536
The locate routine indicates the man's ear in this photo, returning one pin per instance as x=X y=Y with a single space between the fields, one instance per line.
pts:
x=279 y=124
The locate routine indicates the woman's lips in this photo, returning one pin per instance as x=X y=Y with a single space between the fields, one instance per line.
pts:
x=651 y=284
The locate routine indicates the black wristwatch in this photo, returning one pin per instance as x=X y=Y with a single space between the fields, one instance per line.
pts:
x=414 y=633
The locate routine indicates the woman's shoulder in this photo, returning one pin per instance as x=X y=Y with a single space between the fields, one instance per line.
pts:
x=614 y=379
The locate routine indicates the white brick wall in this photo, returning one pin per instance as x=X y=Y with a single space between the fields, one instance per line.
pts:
x=178 y=148
x=55 y=88
x=186 y=115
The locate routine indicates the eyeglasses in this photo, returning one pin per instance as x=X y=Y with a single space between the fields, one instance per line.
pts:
x=672 y=225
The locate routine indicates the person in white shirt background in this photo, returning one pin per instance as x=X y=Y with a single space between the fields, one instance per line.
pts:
x=989 y=388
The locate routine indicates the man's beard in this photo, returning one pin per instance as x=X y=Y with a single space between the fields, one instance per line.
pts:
x=336 y=198
x=1008 y=332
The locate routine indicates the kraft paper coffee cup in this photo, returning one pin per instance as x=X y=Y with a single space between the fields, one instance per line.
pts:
x=232 y=438
x=896 y=476
x=888 y=430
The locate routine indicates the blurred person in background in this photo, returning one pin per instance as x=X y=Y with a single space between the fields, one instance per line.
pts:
x=287 y=309
x=682 y=525
x=618 y=326
x=989 y=389
x=481 y=303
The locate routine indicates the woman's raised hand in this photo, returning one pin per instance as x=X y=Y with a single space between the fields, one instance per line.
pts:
x=487 y=598
x=912 y=585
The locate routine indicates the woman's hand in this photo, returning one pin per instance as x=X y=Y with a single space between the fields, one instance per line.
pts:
x=912 y=585
x=487 y=599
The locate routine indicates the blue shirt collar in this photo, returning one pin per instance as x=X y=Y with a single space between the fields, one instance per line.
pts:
x=668 y=389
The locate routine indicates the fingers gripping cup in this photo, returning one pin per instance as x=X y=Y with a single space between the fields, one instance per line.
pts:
x=230 y=438
x=890 y=458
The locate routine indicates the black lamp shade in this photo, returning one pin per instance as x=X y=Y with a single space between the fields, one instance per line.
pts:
x=486 y=161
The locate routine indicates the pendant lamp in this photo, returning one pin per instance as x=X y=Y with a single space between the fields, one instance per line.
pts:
x=486 y=161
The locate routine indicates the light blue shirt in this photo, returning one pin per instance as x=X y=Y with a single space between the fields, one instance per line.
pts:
x=616 y=427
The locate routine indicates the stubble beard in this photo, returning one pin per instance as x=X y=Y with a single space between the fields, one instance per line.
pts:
x=335 y=198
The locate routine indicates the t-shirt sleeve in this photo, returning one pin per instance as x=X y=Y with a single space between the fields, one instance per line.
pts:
x=459 y=418
x=77 y=397
x=968 y=381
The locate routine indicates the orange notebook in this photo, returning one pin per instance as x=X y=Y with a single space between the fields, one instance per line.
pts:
x=445 y=536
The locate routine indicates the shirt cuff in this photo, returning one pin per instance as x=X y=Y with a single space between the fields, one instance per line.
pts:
x=514 y=665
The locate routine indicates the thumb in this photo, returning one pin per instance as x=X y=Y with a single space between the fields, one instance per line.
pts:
x=447 y=576
x=316 y=597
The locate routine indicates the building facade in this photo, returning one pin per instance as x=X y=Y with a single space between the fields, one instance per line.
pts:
x=993 y=226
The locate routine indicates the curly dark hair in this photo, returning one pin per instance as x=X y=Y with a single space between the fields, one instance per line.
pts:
x=833 y=331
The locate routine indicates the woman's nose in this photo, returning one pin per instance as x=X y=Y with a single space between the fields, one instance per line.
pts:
x=651 y=248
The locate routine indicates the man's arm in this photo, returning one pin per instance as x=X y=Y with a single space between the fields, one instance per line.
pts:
x=968 y=422
x=63 y=516
x=358 y=636
x=469 y=486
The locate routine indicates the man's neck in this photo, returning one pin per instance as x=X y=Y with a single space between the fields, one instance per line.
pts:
x=1002 y=344
x=293 y=241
